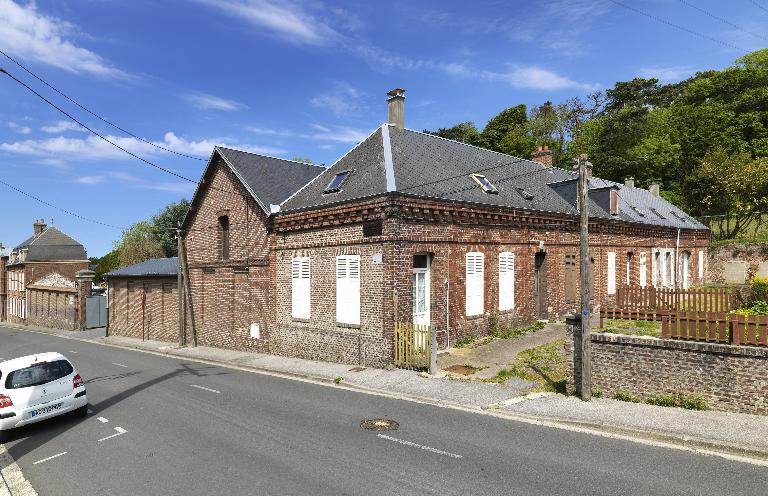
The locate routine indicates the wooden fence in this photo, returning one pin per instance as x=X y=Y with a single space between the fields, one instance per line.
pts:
x=649 y=303
x=411 y=346
x=735 y=329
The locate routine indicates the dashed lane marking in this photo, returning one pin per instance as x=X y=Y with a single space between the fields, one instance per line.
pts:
x=73 y=351
x=120 y=432
x=102 y=420
x=120 y=365
x=420 y=446
x=50 y=458
x=205 y=388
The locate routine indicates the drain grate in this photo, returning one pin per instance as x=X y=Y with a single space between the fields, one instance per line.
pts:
x=379 y=425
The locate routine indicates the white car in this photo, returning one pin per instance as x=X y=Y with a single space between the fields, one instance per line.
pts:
x=38 y=387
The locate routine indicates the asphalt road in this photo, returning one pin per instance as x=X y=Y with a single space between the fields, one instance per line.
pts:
x=195 y=429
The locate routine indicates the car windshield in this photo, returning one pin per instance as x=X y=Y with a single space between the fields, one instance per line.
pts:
x=37 y=374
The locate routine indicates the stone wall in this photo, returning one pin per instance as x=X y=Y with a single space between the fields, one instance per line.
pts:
x=737 y=263
x=729 y=378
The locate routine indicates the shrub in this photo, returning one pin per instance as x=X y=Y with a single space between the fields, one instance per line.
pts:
x=627 y=396
x=493 y=323
x=465 y=341
x=759 y=289
x=679 y=400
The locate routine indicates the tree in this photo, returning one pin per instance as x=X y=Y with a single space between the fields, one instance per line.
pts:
x=165 y=224
x=139 y=243
x=107 y=263
x=466 y=132
x=507 y=132
x=303 y=160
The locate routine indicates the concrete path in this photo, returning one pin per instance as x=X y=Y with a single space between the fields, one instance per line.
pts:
x=499 y=353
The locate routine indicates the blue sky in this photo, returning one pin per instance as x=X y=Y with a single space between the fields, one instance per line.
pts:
x=301 y=78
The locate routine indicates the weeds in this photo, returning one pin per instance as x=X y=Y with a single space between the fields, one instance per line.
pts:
x=627 y=396
x=545 y=365
x=465 y=341
x=338 y=379
x=632 y=327
x=679 y=400
x=513 y=332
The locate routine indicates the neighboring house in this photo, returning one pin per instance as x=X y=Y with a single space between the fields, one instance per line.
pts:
x=48 y=259
x=3 y=281
x=411 y=227
x=143 y=300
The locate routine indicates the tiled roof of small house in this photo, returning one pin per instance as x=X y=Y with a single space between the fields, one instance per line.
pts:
x=156 y=267
x=52 y=245
x=424 y=165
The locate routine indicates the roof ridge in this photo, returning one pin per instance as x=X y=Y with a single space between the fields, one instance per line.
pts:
x=269 y=156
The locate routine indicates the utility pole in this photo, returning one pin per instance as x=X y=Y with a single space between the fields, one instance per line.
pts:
x=584 y=385
x=180 y=292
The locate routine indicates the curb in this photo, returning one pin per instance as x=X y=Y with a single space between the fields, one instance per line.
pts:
x=697 y=445
x=12 y=481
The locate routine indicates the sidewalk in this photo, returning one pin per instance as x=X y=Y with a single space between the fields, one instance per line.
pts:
x=732 y=434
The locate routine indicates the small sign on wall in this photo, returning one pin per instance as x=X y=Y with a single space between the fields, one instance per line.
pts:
x=71 y=300
x=377 y=258
x=255 y=331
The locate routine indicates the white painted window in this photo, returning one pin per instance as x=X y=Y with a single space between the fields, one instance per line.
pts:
x=475 y=283
x=506 y=281
x=300 y=288
x=611 y=272
x=348 y=289
x=686 y=262
x=643 y=279
x=701 y=265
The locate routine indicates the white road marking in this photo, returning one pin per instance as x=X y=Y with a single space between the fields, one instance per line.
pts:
x=73 y=351
x=119 y=365
x=205 y=388
x=420 y=446
x=120 y=431
x=102 y=420
x=50 y=458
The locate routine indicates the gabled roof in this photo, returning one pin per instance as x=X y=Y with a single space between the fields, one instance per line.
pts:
x=156 y=267
x=424 y=165
x=52 y=244
x=269 y=180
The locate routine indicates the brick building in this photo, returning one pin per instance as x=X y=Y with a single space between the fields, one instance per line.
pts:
x=411 y=227
x=3 y=281
x=143 y=300
x=48 y=259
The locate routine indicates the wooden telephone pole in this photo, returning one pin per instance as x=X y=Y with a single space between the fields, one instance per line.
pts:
x=584 y=385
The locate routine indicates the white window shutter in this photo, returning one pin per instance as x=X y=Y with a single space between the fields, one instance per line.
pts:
x=643 y=279
x=475 y=272
x=348 y=289
x=655 y=262
x=611 y=272
x=701 y=265
x=506 y=281
x=300 y=288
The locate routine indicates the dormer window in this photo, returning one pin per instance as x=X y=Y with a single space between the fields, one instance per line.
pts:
x=336 y=182
x=484 y=183
x=525 y=194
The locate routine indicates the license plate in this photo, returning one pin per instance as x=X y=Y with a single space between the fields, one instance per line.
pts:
x=44 y=410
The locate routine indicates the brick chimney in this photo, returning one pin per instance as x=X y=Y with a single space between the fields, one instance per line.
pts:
x=629 y=182
x=396 y=108
x=39 y=226
x=654 y=189
x=543 y=155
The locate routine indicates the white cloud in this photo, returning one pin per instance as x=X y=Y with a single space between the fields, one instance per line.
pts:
x=210 y=102
x=94 y=148
x=284 y=19
x=136 y=182
x=522 y=77
x=90 y=179
x=19 y=128
x=341 y=134
x=667 y=74
x=31 y=35
x=343 y=99
x=62 y=126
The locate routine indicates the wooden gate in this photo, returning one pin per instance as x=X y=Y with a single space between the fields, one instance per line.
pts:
x=411 y=346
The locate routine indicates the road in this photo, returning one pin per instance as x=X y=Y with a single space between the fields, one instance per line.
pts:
x=166 y=426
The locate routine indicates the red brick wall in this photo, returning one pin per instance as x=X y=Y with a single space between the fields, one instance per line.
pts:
x=3 y=288
x=160 y=317
x=51 y=307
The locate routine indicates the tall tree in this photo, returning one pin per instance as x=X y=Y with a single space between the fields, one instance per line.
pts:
x=139 y=243
x=165 y=224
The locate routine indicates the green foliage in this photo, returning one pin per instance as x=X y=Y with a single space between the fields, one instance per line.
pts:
x=107 y=263
x=760 y=289
x=493 y=323
x=513 y=332
x=466 y=132
x=632 y=327
x=679 y=400
x=166 y=222
x=627 y=396
x=338 y=379
x=465 y=341
x=139 y=243
x=303 y=160
x=545 y=365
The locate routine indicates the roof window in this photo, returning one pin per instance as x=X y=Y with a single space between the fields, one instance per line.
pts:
x=484 y=183
x=525 y=194
x=336 y=182
x=681 y=217
x=657 y=213
x=638 y=211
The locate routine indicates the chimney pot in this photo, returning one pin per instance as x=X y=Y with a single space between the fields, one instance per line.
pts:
x=544 y=156
x=654 y=189
x=396 y=108
x=629 y=182
x=38 y=227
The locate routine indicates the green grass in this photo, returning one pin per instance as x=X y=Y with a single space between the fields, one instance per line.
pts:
x=510 y=332
x=632 y=327
x=545 y=365
x=465 y=341
x=627 y=396
x=678 y=400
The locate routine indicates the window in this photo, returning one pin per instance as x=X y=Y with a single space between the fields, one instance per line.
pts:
x=484 y=183
x=681 y=217
x=571 y=279
x=300 y=288
x=701 y=265
x=336 y=182
x=614 y=202
x=525 y=194
x=224 y=237
x=686 y=267
x=38 y=374
x=638 y=211
x=348 y=289
x=630 y=258
x=474 y=284
x=506 y=281
x=611 y=273
x=658 y=214
x=643 y=264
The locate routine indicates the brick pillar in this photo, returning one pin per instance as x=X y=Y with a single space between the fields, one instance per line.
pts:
x=573 y=343
x=84 y=286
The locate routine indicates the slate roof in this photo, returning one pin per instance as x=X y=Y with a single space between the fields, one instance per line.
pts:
x=423 y=165
x=50 y=245
x=156 y=267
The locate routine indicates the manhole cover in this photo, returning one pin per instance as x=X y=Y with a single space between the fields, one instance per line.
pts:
x=379 y=425
x=462 y=369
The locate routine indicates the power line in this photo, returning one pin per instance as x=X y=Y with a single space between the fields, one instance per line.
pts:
x=68 y=212
x=677 y=26
x=517 y=161
x=753 y=2
x=94 y=113
x=725 y=21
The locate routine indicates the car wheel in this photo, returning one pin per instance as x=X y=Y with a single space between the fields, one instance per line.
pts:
x=5 y=436
x=81 y=412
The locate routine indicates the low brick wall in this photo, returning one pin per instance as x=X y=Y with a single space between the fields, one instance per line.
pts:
x=737 y=263
x=730 y=378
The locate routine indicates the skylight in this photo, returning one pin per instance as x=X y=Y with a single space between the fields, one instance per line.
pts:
x=336 y=182
x=484 y=183
x=682 y=218
x=658 y=213
x=525 y=194
x=638 y=211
